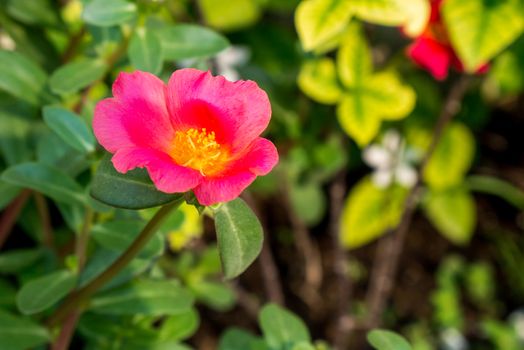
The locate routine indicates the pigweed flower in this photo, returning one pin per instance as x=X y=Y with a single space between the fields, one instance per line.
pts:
x=198 y=132
x=392 y=161
x=432 y=49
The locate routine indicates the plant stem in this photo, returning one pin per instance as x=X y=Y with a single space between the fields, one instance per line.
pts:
x=83 y=239
x=75 y=299
x=344 y=284
x=45 y=220
x=10 y=215
x=69 y=324
x=390 y=247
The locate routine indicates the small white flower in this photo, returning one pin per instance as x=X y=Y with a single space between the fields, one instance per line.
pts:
x=517 y=319
x=226 y=61
x=392 y=161
x=230 y=59
x=452 y=339
x=6 y=42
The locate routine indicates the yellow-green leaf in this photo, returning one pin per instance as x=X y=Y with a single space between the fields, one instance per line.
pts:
x=231 y=14
x=480 y=29
x=354 y=57
x=385 y=12
x=393 y=99
x=369 y=212
x=452 y=158
x=318 y=80
x=361 y=125
x=412 y=15
x=319 y=21
x=382 y=97
x=453 y=213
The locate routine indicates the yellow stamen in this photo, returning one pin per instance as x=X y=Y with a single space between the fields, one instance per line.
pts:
x=199 y=150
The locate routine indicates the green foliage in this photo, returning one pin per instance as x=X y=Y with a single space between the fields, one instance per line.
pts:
x=319 y=21
x=145 y=51
x=17 y=333
x=70 y=128
x=239 y=236
x=40 y=294
x=74 y=76
x=103 y=13
x=21 y=77
x=46 y=179
x=59 y=58
x=281 y=328
x=190 y=41
x=467 y=22
x=452 y=211
x=230 y=15
x=387 y=340
x=369 y=212
x=447 y=168
x=133 y=190
x=144 y=297
x=364 y=98
x=117 y=235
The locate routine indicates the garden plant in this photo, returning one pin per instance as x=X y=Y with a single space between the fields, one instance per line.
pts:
x=261 y=174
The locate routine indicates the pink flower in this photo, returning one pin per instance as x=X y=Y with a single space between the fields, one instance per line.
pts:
x=432 y=50
x=198 y=133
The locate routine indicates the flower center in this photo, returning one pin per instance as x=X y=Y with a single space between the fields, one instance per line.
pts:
x=198 y=149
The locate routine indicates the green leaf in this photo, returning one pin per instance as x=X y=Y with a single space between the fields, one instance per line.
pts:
x=145 y=51
x=237 y=339
x=74 y=76
x=190 y=41
x=318 y=79
x=354 y=58
x=102 y=259
x=498 y=187
x=239 y=235
x=387 y=340
x=70 y=127
x=452 y=158
x=412 y=15
x=281 y=328
x=180 y=326
x=118 y=235
x=145 y=297
x=370 y=98
x=47 y=180
x=231 y=14
x=39 y=12
x=369 y=212
x=216 y=295
x=133 y=190
x=453 y=213
x=308 y=201
x=21 y=77
x=15 y=137
x=7 y=193
x=17 y=333
x=7 y=294
x=14 y=261
x=109 y=13
x=42 y=293
x=319 y=21
x=480 y=29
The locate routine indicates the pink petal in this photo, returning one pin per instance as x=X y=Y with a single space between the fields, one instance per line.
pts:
x=432 y=55
x=166 y=175
x=136 y=116
x=259 y=159
x=237 y=112
x=212 y=191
